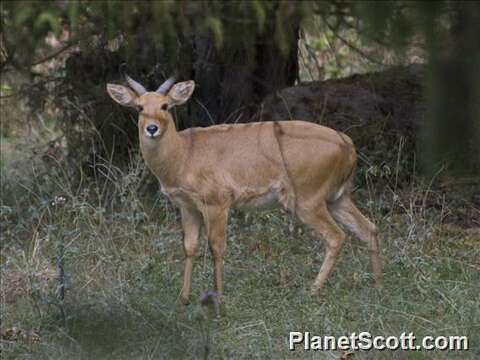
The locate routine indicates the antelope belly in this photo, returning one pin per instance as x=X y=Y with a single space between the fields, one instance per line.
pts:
x=252 y=198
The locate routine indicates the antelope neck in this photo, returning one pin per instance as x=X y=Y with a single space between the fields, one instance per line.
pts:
x=164 y=156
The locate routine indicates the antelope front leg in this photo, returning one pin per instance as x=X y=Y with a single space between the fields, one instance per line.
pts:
x=216 y=221
x=191 y=223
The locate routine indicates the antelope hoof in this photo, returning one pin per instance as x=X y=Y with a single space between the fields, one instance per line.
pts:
x=378 y=282
x=315 y=290
x=185 y=300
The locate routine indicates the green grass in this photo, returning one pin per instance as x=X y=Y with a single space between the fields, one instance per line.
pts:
x=124 y=262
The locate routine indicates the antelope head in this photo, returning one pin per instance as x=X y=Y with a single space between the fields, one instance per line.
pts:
x=154 y=118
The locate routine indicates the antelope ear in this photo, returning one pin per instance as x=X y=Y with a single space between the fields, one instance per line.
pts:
x=180 y=92
x=122 y=95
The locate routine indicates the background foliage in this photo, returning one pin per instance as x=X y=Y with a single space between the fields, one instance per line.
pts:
x=229 y=47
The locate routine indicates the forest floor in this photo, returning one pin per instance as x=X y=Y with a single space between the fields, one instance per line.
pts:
x=123 y=263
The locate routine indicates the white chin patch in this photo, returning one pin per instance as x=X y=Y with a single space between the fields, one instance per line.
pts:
x=152 y=136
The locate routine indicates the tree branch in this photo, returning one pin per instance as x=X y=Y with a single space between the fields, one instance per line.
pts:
x=54 y=54
x=70 y=44
x=353 y=47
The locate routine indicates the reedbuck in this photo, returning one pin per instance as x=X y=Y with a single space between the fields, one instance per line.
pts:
x=305 y=167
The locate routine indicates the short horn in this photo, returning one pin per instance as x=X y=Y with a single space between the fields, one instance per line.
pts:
x=162 y=90
x=139 y=89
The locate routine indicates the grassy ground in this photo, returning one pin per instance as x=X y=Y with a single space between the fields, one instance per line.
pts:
x=123 y=261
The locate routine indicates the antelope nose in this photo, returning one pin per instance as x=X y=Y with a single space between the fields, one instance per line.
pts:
x=152 y=129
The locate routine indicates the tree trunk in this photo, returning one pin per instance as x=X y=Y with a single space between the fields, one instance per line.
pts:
x=232 y=81
x=451 y=135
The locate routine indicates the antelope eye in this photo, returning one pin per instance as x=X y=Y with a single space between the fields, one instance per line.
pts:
x=139 y=108
x=164 y=107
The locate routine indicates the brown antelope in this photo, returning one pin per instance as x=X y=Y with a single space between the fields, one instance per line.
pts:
x=305 y=167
